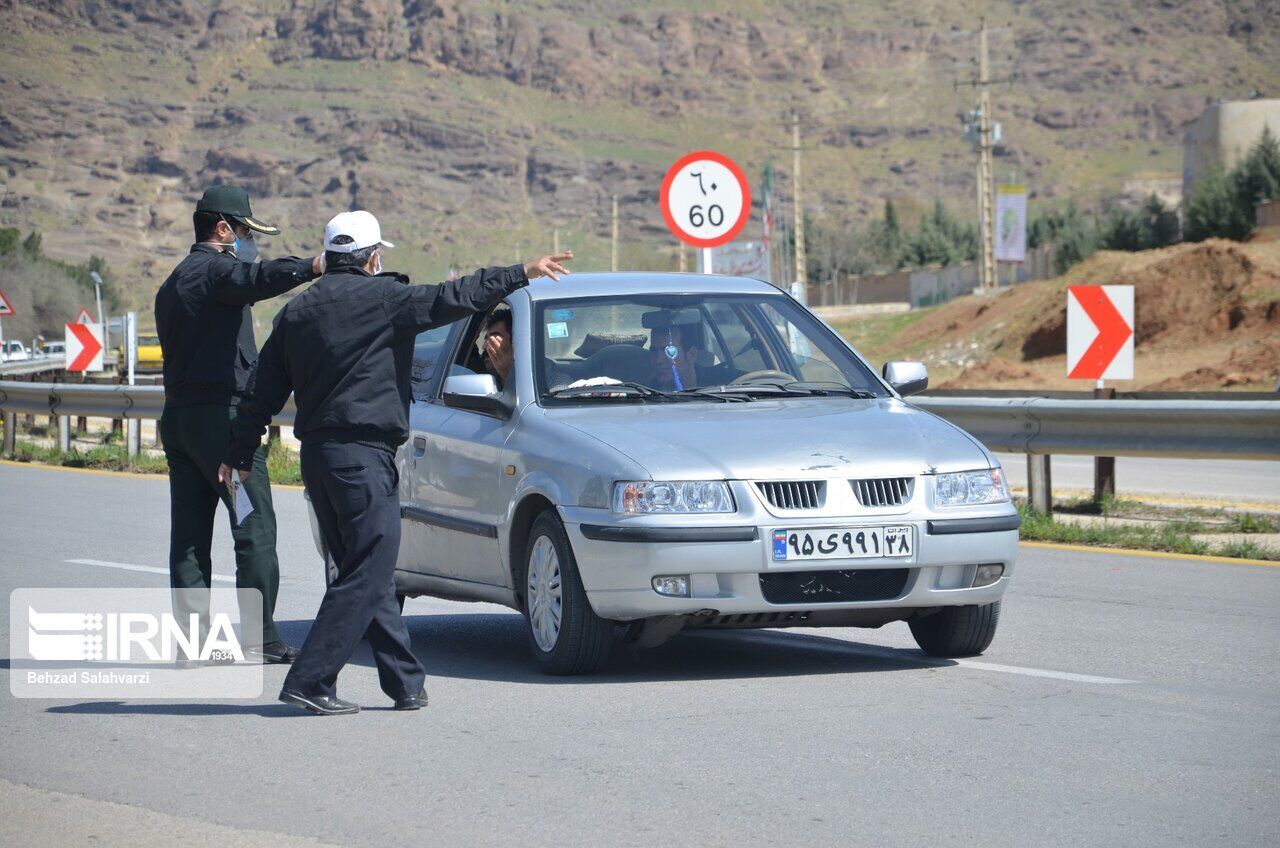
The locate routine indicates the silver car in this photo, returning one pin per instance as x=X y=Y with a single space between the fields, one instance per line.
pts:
x=673 y=451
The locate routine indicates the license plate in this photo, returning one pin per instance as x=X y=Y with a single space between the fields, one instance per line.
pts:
x=841 y=543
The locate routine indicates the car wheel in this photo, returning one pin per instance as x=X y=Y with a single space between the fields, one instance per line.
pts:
x=566 y=635
x=957 y=631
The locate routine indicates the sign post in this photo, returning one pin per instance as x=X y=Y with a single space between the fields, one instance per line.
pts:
x=6 y=308
x=1100 y=321
x=705 y=201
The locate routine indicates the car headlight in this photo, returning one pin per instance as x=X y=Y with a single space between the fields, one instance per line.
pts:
x=966 y=488
x=645 y=497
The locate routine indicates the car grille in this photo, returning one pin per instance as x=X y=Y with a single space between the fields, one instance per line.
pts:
x=830 y=587
x=795 y=494
x=884 y=491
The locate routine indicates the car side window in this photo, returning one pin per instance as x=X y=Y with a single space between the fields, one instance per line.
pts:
x=428 y=350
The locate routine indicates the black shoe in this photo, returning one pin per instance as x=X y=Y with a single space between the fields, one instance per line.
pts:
x=320 y=704
x=272 y=653
x=412 y=702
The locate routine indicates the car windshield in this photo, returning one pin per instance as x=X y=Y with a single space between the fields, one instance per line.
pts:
x=660 y=347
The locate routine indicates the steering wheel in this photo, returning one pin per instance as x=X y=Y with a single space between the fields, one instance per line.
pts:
x=766 y=375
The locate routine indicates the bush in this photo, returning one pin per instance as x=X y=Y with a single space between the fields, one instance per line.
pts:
x=1152 y=226
x=1223 y=202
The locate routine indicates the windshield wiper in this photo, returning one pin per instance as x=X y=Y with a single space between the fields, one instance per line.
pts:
x=626 y=388
x=796 y=388
x=823 y=387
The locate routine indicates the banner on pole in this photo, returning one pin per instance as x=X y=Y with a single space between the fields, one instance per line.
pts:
x=1011 y=223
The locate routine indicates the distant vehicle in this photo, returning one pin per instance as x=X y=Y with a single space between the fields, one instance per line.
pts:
x=773 y=480
x=150 y=357
x=55 y=348
x=15 y=351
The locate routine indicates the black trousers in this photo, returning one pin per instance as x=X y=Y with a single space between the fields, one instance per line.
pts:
x=195 y=442
x=354 y=492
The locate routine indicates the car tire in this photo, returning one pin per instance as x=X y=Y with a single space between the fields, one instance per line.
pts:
x=957 y=631
x=565 y=634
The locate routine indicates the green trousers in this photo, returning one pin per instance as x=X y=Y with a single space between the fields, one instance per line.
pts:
x=195 y=443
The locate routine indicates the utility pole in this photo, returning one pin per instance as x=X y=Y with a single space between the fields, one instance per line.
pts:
x=613 y=252
x=983 y=134
x=798 y=211
x=684 y=265
x=986 y=181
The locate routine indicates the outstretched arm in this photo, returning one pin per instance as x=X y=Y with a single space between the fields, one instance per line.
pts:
x=418 y=308
x=239 y=283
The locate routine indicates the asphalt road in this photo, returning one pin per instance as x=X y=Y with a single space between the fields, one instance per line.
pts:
x=1226 y=480
x=1126 y=700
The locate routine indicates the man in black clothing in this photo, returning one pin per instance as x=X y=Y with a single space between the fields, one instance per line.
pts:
x=344 y=347
x=206 y=335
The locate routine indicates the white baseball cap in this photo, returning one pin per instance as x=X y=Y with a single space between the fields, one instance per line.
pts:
x=360 y=226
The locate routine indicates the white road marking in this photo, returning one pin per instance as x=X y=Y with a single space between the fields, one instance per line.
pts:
x=1042 y=672
x=147 y=569
x=898 y=655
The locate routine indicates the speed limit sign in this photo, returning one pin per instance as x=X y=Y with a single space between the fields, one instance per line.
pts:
x=705 y=199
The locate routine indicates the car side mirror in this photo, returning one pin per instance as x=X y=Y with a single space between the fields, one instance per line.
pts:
x=477 y=393
x=907 y=378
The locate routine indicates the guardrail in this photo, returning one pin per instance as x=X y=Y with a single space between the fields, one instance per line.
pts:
x=1036 y=426
x=34 y=365
x=63 y=400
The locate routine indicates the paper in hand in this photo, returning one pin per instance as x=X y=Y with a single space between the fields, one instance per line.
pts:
x=243 y=506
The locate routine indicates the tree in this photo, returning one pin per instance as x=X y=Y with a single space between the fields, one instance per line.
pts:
x=1223 y=202
x=1213 y=210
x=32 y=245
x=1153 y=225
x=1257 y=177
x=9 y=240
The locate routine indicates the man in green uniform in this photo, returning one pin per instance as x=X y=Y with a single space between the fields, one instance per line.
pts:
x=206 y=335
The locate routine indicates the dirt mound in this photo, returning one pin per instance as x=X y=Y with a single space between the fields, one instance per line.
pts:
x=993 y=372
x=1207 y=317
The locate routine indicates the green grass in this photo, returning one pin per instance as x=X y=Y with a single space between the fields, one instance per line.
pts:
x=282 y=461
x=874 y=335
x=110 y=457
x=1173 y=536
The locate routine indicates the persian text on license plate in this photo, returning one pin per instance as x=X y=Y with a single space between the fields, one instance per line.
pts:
x=841 y=543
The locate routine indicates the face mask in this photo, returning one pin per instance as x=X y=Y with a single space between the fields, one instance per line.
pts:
x=246 y=249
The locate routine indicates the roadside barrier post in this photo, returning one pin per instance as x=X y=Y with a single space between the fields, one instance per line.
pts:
x=1104 y=467
x=64 y=433
x=10 y=433
x=1039 y=483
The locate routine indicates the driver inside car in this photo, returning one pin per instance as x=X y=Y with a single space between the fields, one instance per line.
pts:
x=674 y=350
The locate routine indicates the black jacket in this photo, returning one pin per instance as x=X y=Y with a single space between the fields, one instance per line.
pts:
x=205 y=324
x=344 y=347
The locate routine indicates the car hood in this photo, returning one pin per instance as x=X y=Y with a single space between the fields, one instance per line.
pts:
x=768 y=439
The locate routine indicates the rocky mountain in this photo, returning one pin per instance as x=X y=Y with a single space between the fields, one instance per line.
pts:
x=474 y=128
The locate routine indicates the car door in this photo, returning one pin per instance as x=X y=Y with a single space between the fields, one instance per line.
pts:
x=461 y=485
x=422 y=545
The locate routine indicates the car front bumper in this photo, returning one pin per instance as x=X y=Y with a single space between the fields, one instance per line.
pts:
x=619 y=557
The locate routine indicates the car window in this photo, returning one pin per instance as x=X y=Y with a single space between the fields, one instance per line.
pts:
x=428 y=348
x=811 y=361
x=687 y=341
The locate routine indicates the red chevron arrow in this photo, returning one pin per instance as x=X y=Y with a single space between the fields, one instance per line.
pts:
x=90 y=347
x=1113 y=332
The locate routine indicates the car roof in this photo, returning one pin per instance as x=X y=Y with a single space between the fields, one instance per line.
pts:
x=592 y=284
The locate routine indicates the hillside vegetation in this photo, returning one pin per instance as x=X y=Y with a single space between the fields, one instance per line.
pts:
x=475 y=127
